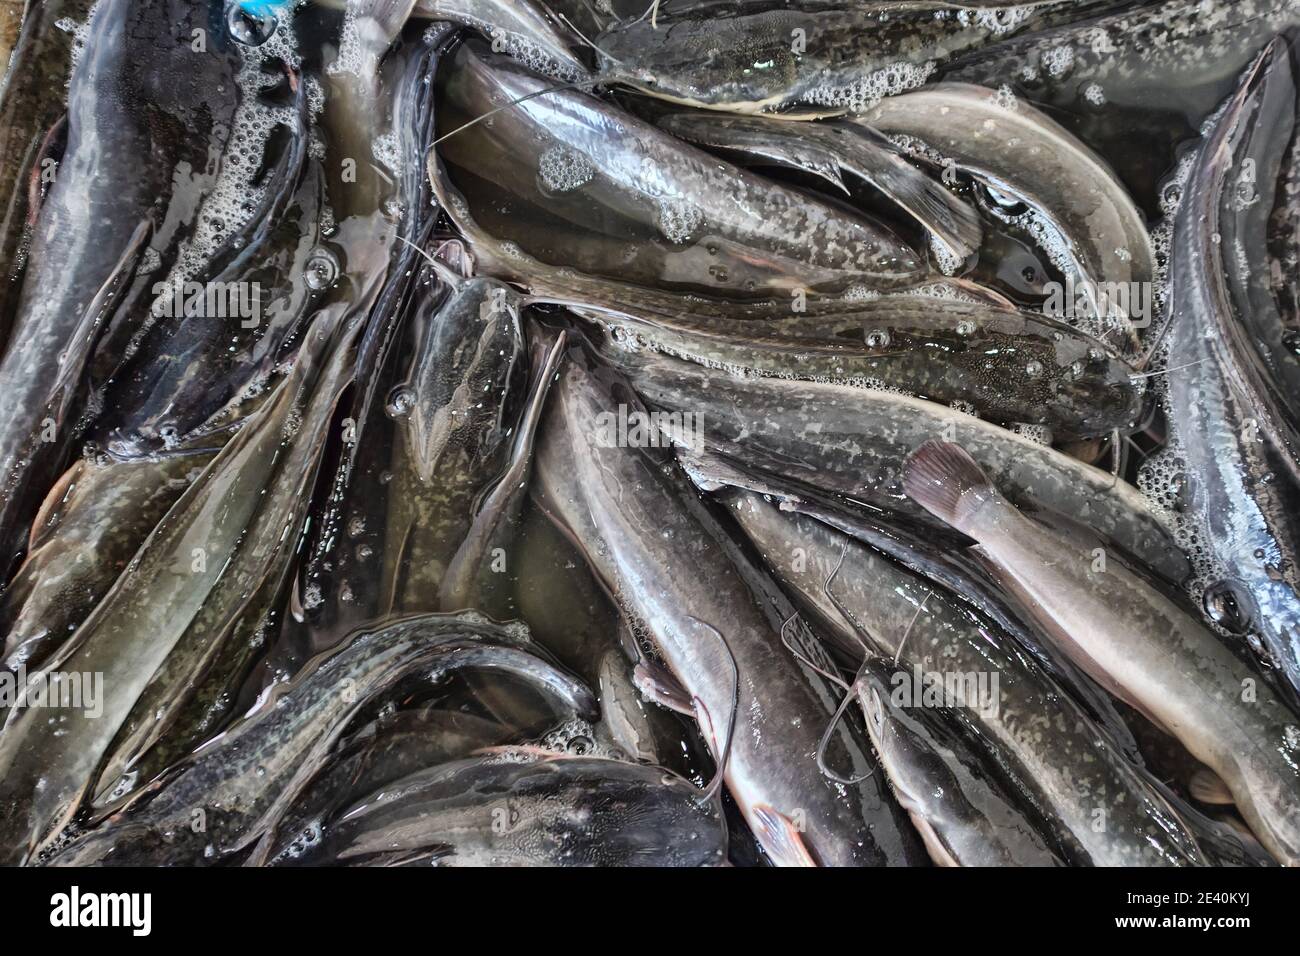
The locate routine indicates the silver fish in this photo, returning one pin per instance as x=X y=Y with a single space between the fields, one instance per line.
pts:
x=562 y=811
x=1088 y=222
x=648 y=540
x=1240 y=473
x=243 y=781
x=1142 y=646
x=828 y=149
x=1057 y=763
x=854 y=442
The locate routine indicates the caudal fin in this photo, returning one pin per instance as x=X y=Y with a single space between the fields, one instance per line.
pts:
x=942 y=478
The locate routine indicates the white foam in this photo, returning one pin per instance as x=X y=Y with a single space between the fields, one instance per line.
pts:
x=563 y=170
x=864 y=92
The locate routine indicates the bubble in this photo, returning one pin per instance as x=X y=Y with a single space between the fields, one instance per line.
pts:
x=864 y=92
x=1034 y=369
x=678 y=219
x=250 y=25
x=563 y=170
x=1058 y=61
x=400 y=402
x=877 y=339
x=322 y=270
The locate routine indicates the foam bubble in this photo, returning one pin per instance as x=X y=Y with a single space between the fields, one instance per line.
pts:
x=864 y=92
x=563 y=170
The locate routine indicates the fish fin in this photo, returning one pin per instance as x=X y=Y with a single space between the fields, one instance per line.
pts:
x=830 y=171
x=657 y=685
x=779 y=837
x=1206 y=786
x=942 y=477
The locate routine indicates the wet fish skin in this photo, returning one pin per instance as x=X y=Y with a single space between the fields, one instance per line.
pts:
x=87 y=537
x=386 y=749
x=595 y=296
x=1240 y=481
x=707 y=225
x=1196 y=42
x=963 y=817
x=119 y=170
x=1062 y=769
x=854 y=442
x=348 y=527
x=945 y=561
x=148 y=611
x=463 y=384
x=644 y=533
x=525 y=29
x=1264 y=229
x=1146 y=649
x=187 y=375
x=826 y=149
x=567 y=811
x=1010 y=367
x=1070 y=188
x=33 y=100
x=246 y=778
x=499 y=505
x=747 y=60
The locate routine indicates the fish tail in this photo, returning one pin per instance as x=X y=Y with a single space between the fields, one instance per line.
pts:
x=947 y=482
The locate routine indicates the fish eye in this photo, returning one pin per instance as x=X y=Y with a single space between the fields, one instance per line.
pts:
x=1229 y=606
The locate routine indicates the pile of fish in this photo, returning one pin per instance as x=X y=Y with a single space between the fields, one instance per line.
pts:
x=674 y=433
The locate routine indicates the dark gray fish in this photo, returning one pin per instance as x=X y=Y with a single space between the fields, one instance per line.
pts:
x=191 y=367
x=963 y=815
x=337 y=587
x=562 y=811
x=1011 y=367
x=139 y=156
x=32 y=108
x=525 y=30
x=828 y=150
x=1077 y=209
x=211 y=552
x=1275 y=148
x=239 y=784
x=595 y=295
x=387 y=748
x=655 y=548
x=94 y=520
x=500 y=504
x=1147 y=650
x=854 y=441
x=1239 y=474
x=820 y=58
x=944 y=560
x=1242 y=164
x=1121 y=50
x=1055 y=761
x=610 y=194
